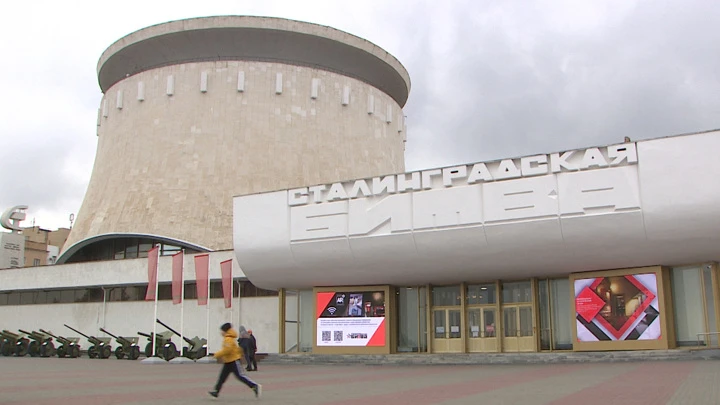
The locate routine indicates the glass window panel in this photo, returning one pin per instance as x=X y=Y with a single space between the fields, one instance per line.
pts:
x=688 y=303
x=40 y=297
x=67 y=296
x=306 y=301
x=526 y=321
x=119 y=249
x=510 y=322
x=136 y=293
x=422 y=299
x=26 y=298
x=440 y=324
x=14 y=298
x=408 y=315
x=216 y=289
x=517 y=292
x=81 y=295
x=710 y=303
x=544 y=305
x=53 y=297
x=131 y=249
x=164 y=292
x=144 y=247
x=95 y=295
x=446 y=296
x=475 y=325
x=4 y=298
x=561 y=321
x=489 y=322
x=191 y=291
x=455 y=331
x=480 y=294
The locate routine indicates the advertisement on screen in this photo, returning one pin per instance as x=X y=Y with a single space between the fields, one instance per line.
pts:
x=617 y=308
x=350 y=318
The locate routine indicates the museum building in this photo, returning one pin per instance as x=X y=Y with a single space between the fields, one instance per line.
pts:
x=204 y=132
x=604 y=248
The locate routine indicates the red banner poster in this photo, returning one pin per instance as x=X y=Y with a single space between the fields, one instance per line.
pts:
x=152 y=273
x=177 y=277
x=201 y=278
x=226 y=270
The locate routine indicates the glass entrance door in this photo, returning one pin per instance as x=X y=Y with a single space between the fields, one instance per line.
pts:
x=518 y=333
x=448 y=332
x=412 y=320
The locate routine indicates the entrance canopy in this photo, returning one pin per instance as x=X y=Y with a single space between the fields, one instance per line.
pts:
x=654 y=202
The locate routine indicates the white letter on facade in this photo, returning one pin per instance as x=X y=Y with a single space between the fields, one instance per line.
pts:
x=427 y=177
x=360 y=185
x=298 y=196
x=451 y=173
x=337 y=192
x=529 y=169
x=507 y=170
x=387 y=184
x=479 y=172
x=593 y=157
x=558 y=161
x=317 y=193
x=403 y=184
x=622 y=152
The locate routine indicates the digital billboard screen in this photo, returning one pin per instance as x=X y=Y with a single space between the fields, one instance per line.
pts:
x=347 y=318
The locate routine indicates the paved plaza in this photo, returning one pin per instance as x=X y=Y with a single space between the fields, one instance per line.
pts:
x=37 y=381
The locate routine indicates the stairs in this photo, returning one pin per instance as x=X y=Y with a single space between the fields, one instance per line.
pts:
x=494 y=358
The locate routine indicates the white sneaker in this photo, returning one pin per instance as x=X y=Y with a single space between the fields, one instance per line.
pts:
x=258 y=390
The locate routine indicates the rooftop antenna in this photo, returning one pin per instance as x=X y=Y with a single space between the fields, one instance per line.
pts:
x=72 y=219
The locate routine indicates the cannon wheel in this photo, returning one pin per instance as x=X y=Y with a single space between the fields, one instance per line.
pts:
x=74 y=351
x=61 y=351
x=105 y=351
x=34 y=349
x=47 y=349
x=5 y=348
x=169 y=351
x=148 y=350
x=134 y=353
x=21 y=348
x=92 y=352
x=119 y=353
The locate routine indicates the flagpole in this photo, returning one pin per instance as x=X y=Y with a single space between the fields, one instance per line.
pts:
x=157 y=283
x=182 y=301
x=207 y=312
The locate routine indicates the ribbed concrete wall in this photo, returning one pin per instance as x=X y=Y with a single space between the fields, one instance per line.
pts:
x=177 y=142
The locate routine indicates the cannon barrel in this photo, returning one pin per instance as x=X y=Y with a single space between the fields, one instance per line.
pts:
x=174 y=331
x=49 y=334
x=60 y=339
x=25 y=332
x=77 y=331
x=147 y=335
x=104 y=331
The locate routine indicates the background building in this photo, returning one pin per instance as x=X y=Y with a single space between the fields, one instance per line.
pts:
x=43 y=246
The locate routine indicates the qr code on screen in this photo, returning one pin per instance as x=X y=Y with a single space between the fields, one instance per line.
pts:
x=338 y=336
x=326 y=336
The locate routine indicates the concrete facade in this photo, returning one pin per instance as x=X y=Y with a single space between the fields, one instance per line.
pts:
x=178 y=139
x=128 y=317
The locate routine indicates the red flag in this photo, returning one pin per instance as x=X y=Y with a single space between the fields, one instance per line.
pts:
x=177 y=277
x=201 y=278
x=226 y=270
x=152 y=273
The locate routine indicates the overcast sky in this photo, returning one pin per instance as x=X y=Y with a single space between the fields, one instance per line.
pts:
x=490 y=79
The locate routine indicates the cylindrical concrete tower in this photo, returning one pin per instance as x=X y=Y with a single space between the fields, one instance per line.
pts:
x=197 y=111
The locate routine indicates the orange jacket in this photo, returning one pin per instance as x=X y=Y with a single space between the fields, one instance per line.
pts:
x=230 y=351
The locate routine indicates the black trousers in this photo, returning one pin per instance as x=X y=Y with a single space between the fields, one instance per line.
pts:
x=251 y=363
x=234 y=369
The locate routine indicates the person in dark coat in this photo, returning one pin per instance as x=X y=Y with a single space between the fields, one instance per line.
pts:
x=251 y=352
x=245 y=344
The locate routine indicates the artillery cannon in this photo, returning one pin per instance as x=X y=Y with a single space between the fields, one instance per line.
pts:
x=197 y=348
x=41 y=344
x=100 y=345
x=162 y=340
x=128 y=346
x=68 y=345
x=13 y=344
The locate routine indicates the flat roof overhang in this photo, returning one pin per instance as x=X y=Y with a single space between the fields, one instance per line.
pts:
x=663 y=209
x=253 y=39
